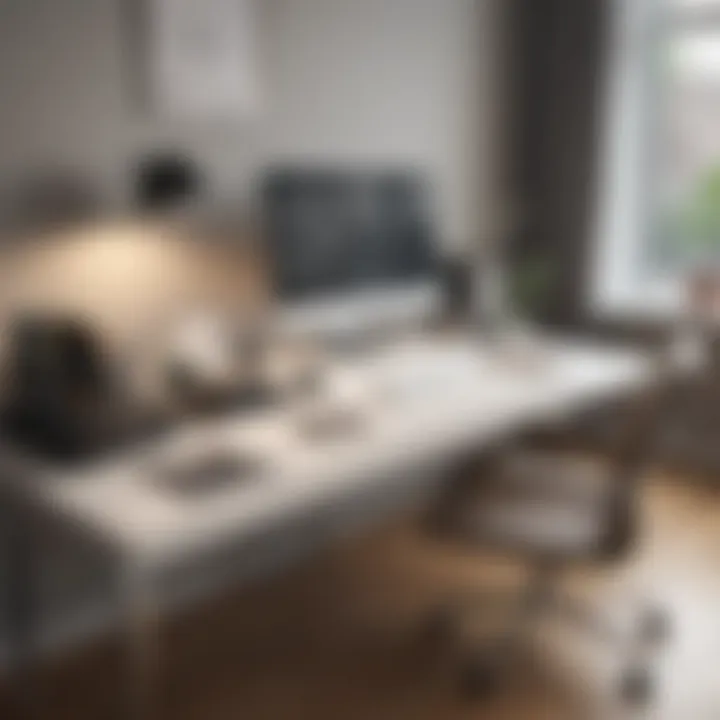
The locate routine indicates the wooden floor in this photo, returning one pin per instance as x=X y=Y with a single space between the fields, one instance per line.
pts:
x=338 y=639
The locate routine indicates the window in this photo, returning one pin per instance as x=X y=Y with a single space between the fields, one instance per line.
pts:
x=659 y=206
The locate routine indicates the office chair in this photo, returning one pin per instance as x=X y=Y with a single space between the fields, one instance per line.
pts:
x=555 y=511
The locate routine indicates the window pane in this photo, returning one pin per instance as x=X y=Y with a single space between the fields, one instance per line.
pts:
x=695 y=3
x=694 y=105
x=689 y=223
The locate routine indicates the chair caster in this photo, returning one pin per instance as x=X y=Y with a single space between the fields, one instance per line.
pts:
x=480 y=677
x=655 y=627
x=636 y=686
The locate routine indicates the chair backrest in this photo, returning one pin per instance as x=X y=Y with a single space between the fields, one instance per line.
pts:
x=642 y=428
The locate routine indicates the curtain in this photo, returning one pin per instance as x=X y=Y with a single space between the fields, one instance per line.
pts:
x=556 y=62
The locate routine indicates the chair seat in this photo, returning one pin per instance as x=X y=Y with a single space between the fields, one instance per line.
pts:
x=556 y=475
x=549 y=505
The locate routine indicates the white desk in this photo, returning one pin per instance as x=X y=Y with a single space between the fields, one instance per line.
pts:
x=423 y=403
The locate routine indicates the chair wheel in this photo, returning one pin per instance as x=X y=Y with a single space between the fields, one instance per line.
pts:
x=480 y=677
x=655 y=627
x=636 y=686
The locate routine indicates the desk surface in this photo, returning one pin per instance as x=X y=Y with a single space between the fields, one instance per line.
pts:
x=419 y=403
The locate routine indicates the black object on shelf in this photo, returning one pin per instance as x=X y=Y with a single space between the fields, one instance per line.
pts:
x=166 y=181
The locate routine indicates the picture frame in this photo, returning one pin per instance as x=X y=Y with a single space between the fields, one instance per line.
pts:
x=199 y=59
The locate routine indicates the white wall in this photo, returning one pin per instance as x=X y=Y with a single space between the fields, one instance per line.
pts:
x=342 y=79
x=382 y=79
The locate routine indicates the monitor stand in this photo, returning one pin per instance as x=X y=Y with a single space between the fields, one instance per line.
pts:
x=357 y=317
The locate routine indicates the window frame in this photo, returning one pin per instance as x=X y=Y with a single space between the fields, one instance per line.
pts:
x=623 y=282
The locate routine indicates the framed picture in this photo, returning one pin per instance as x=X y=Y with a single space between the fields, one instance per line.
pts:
x=200 y=58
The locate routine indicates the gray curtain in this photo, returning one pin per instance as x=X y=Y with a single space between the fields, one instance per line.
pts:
x=556 y=62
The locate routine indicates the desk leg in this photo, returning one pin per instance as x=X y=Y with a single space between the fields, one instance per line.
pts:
x=21 y=600
x=141 y=640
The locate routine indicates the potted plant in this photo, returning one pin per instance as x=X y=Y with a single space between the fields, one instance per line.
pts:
x=690 y=240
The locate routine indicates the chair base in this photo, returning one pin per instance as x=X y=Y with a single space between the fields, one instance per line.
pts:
x=484 y=669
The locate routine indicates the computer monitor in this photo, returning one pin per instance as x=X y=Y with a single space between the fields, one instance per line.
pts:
x=349 y=249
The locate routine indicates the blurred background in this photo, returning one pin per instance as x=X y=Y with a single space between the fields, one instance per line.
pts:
x=179 y=178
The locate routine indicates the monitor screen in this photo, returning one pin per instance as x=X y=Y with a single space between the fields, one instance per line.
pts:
x=332 y=231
